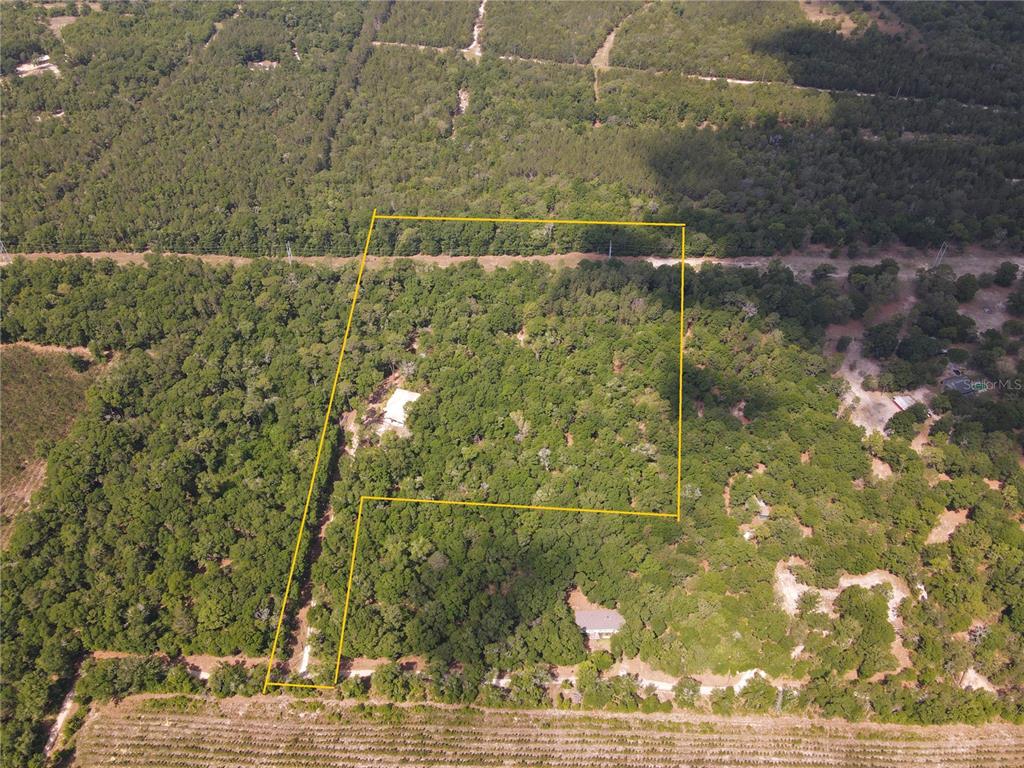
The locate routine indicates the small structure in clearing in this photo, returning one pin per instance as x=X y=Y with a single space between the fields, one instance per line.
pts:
x=904 y=401
x=597 y=623
x=394 y=410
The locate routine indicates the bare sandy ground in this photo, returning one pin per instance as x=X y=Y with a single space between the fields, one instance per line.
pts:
x=788 y=590
x=202 y=664
x=988 y=308
x=974 y=260
x=489 y=263
x=948 y=522
x=16 y=496
x=57 y=23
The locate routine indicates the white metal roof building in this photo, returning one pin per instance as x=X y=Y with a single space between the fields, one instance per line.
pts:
x=600 y=623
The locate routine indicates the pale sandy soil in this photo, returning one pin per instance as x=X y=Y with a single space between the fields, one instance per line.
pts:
x=67 y=709
x=364 y=667
x=870 y=409
x=263 y=66
x=475 y=48
x=880 y=469
x=579 y=602
x=299 y=660
x=825 y=11
x=921 y=439
x=34 y=70
x=974 y=260
x=787 y=587
x=738 y=412
x=884 y=19
x=977 y=681
x=350 y=425
x=709 y=682
x=948 y=522
x=988 y=308
x=602 y=57
x=79 y=351
x=15 y=497
x=646 y=675
x=417 y=46
x=489 y=263
x=788 y=590
x=202 y=665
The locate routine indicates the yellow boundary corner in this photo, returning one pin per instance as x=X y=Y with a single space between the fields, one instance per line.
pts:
x=267 y=682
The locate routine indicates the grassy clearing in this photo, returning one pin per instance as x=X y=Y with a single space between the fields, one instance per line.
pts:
x=41 y=391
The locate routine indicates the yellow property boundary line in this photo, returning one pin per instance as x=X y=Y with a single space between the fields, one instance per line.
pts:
x=267 y=682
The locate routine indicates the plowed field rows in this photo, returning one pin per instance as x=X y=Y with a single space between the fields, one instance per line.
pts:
x=273 y=733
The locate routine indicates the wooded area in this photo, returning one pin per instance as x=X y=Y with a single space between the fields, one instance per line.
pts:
x=440 y=23
x=165 y=522
x=146 y=140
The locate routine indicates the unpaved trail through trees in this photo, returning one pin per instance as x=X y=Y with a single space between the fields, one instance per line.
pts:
x=975 y=260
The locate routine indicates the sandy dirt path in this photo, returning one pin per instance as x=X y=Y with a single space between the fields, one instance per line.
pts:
x=974 y=260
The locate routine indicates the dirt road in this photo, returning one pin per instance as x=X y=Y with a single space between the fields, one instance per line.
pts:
x=975 y=260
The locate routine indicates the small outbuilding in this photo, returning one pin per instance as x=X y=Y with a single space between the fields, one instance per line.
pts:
x=904 y=401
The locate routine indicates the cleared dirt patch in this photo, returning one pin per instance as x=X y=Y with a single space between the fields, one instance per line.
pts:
x=949 y=521
x=880 y=469
x=975 y=680
x=201 y=665
x=988 y=308
x=976 y=260
x=819 y=12
x=788 y=590
x=57 y=23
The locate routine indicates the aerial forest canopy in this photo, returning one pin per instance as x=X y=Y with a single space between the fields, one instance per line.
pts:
x=867 y=574
x=900 y=128
x=168 y=512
